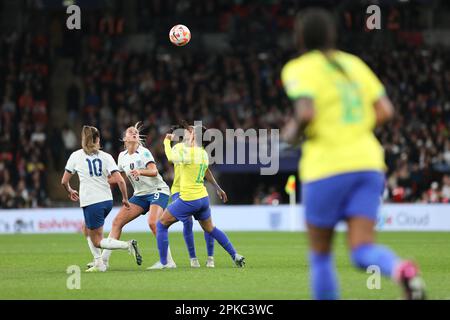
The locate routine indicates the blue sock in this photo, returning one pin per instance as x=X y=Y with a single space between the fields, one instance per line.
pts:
x=189 y=237
x=366 y=255
x=209 y=244
x=223 y=240
x=324 y=282
x=162 y=237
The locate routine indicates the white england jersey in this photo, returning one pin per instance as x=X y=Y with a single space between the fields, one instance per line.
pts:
x=139 y=160
x=93 y=171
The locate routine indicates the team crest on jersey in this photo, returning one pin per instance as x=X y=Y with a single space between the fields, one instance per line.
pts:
x=132 y=166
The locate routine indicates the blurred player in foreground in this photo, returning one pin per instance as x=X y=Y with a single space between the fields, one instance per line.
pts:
x=193 y=199
x=188 y=223
x=93 y=167
x=338 y=101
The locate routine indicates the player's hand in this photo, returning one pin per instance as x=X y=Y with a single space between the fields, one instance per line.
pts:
x=222 y=195
x=125 y=203
x=135 y=173
x=170 y=136
x=73 y=195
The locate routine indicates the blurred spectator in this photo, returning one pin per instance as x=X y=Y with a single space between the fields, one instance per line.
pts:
x=70 y=141
x=73 y=102
x=445 y=193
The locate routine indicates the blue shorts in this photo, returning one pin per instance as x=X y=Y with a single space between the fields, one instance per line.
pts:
x=175 y=196
x=95 y=214
x=158 y=198
x=330 y=200
x=183 y=210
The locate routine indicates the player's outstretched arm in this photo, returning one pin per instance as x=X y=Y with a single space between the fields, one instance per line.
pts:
x=210 y=177
x=116 y=177
x=174 y=157
x=65 y=181
x=168 y=148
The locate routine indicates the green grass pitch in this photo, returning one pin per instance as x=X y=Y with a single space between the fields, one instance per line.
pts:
x=34 y=267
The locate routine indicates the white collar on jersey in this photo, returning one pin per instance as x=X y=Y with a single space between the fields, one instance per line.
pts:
x=126 y=150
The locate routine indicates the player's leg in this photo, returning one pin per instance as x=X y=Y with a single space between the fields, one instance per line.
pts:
x=94 y=216
x=209 y=240
x=322 y=270
x=95 y=237
x=162 y=238
x=322 y=200
x=90 y=245
x=204 y=218
x=124 y=216
x=158 y=204
x=361 y=212
x=188 y=236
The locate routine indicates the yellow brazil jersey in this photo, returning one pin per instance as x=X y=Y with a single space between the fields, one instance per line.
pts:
x=340 y=137
x=193 y=163
x=176 y=166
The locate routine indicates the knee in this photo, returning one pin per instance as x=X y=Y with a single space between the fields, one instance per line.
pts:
x=208 y=227
x=166 y=219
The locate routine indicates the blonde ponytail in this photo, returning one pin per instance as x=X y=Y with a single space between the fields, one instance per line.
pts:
x=89 y=136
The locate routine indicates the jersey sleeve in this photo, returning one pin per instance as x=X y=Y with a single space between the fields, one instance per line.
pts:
x=111 y=165
x=71 y=162
x=297 y=81
x=147 y=157
x=371 y=84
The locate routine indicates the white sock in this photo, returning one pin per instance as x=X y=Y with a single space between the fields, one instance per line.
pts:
x=113 y=244
x=96 y=252
x=99 y=262
x=169 y=256
x=105 y=255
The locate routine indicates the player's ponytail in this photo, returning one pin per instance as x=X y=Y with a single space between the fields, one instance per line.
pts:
x=89 y=136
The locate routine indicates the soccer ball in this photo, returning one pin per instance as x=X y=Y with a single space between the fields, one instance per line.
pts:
x=179 y=35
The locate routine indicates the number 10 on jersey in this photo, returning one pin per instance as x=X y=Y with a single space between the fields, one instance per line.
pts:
x=95 y=167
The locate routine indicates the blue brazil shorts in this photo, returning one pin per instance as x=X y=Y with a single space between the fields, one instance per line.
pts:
x=330 y=200
x=145 y=201
x=96 y=213
x=183 y=210
x=175 y=196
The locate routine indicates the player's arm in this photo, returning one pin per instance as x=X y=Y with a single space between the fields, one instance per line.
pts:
x=210 y=177
x=303 y=115
x=65 y=181
x=384 y=111
x=117 y=178
x=174 y=157
x=150 y=167
x=150 y=171
x=168 y=148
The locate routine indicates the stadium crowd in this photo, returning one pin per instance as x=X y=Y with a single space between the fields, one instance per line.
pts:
x=24 y=76
x=237 y=89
